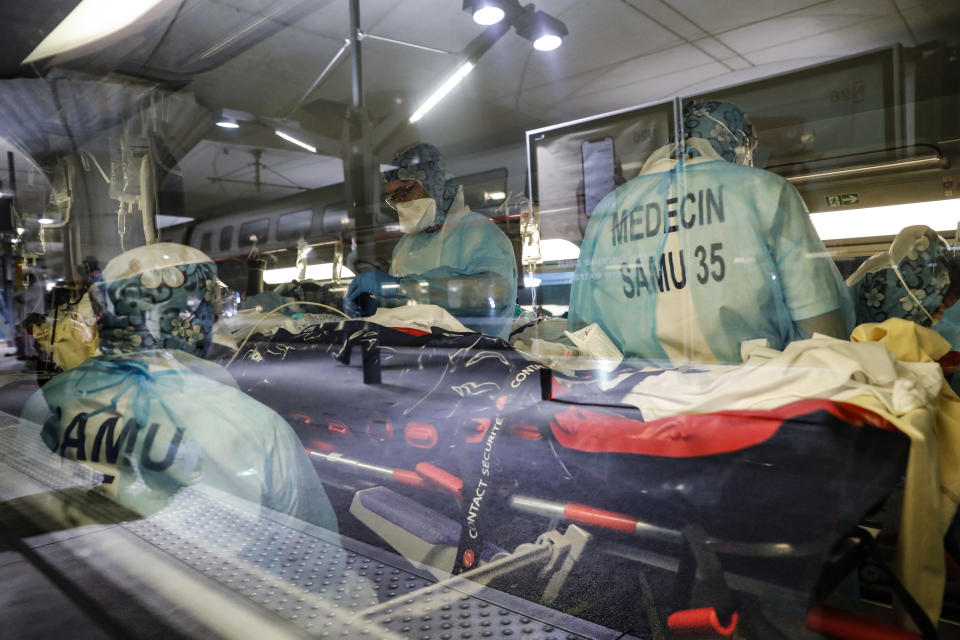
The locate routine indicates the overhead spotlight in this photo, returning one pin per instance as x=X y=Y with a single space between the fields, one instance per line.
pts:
x=545 y=31
x=485 y=12
x=231 y=118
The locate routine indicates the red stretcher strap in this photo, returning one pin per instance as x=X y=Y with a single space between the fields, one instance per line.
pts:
x=691 y=435
x=582 y=514
x=701 y=622
x=445 y=479
x=849 y=626
x=408 y=477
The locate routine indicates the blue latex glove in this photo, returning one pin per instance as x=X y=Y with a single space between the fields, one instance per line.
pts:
x=370 y=282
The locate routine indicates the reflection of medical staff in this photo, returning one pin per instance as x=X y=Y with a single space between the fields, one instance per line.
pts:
x=699 y=253
x=916 y=279
x=32 y=307
x=448 y=255
x=152 y=416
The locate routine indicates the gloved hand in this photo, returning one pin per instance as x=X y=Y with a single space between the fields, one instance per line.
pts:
x=371 y=282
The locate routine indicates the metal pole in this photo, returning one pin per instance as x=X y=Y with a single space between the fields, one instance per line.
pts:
x=355 y=38
x=360 y=167
x=12 y=177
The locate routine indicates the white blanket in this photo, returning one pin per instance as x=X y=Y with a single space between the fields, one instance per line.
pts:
x=821 y=367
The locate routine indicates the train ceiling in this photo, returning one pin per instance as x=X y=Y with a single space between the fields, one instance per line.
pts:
x=260 y=59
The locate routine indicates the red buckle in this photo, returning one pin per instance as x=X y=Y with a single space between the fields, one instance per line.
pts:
x=701 y=622
x=443 y=479
x=837 y=623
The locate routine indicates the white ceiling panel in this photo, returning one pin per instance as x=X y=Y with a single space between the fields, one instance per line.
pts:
x=823 y=19
x=717 y=17
x=668 y=17
x=636 y=73
x=442 y=25
x=856 y=38
x=737 y=63
x=751 y=74
x=714 y=48
x=333 y=20
x=601 y=33
x=618 y=97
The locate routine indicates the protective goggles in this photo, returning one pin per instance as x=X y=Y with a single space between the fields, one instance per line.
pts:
x=401 y=194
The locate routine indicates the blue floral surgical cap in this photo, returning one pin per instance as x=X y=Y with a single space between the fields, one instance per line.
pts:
x=724 y=125
x=162 y=296
x=423 y=162
x=925 y=269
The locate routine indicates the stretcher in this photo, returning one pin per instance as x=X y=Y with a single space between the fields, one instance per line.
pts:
x=471 y=439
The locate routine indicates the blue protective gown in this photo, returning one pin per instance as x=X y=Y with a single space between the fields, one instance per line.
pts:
x=684 y=264
x=467 y=244
x=153 y=421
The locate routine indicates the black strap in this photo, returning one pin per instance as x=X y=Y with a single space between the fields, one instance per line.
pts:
x=916 y=612
x=698 y=557
x=866 y=548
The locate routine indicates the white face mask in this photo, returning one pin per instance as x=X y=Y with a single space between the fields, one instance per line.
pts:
x=416 y=215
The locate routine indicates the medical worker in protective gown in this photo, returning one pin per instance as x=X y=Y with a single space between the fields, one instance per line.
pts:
x=916 y=279
x=152 y=416
x=448 y=255
x=701 y=252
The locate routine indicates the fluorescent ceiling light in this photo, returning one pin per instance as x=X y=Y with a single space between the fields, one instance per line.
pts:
x=940 y=215
x=45 y=220
x=299 y=143
x=547 y=42
x=227 y=123
x=444 y=89
x=323 y=271
x=90 y=21
x=488 y=15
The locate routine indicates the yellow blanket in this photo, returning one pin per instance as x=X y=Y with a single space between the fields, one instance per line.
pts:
x=932 y=488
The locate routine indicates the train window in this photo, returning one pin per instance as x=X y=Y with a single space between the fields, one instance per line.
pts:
x=291 y=226
x=226 y=238
x=206 y=241
x=485 y=190
x=254 y=228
